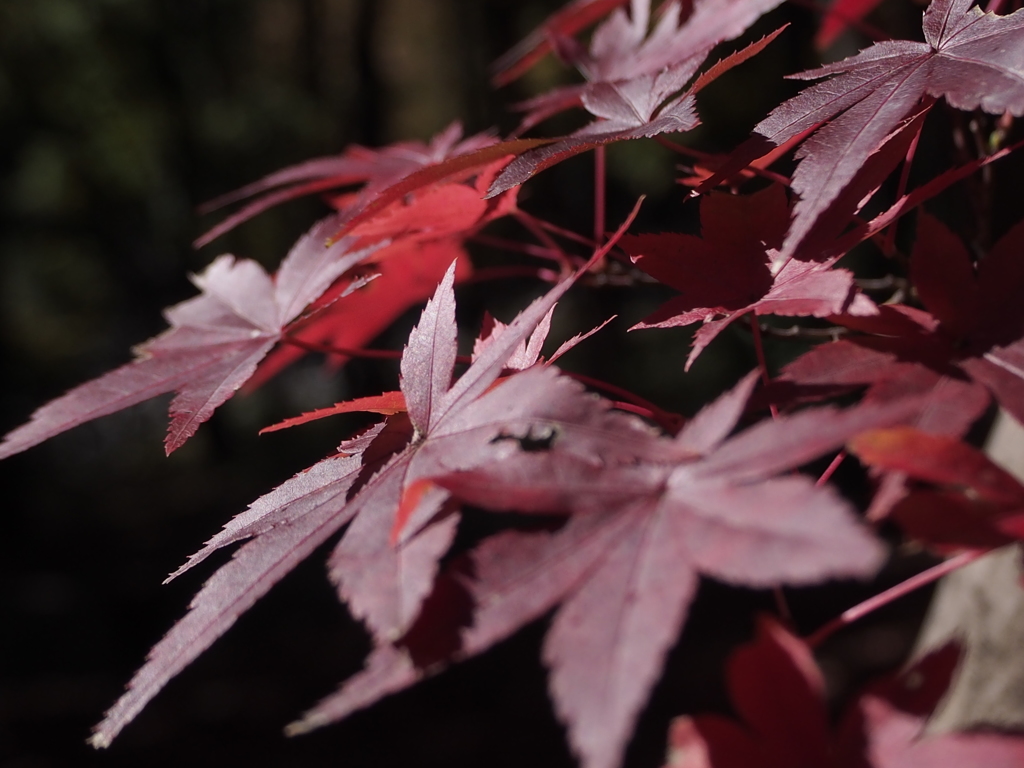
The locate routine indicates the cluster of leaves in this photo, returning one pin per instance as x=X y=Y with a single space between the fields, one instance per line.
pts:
x=634 y=508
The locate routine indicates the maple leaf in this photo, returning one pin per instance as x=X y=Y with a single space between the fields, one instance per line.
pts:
x=778 y=694
x=633 y=109
x=566 y=21
x=383 y=585
x=416 y=239
x=727 y=274
x=631 y=77
x=648 y=515
x=967 y=347
x=289 y=524
x=377 y=169
x=970 y=58
x=839 y=16
x=978 y=504
x=621 y=51
x=213 y=346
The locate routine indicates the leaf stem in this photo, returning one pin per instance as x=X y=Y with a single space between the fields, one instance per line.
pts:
x=922 y=579
x=831 y=469
x=500 y=273
x=889 y=244
x=850 y=20
x=568 y=234
x=566 y=262
x=915 y=197
x=669 y=421
x=515 y=246
x=696 y=154
x=762 y=363
x=599 y=193
x=781 y=604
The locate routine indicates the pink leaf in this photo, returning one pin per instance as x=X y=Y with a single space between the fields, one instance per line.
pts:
x=213 y=346
x=624 y=567
x=429 y=359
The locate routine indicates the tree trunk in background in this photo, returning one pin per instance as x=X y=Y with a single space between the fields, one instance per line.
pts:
x=982 y=605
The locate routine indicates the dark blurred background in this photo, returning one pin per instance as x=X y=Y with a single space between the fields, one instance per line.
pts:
x=119 y=117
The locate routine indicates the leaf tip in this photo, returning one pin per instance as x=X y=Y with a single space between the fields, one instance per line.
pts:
x=99 y=740
x=305 y=725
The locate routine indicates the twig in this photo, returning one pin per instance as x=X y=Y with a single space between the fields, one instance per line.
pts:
x=893 y=593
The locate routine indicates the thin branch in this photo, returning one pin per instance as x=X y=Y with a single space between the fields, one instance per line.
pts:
x=869 y=30
x=568 y=234
x=599 y=193
x=515 y=246
x=801 y=332
x=831 y=469
x=566 y=262
x=894 y=593
x=500 y=273
x=670 y=422
x=707 y=157
x=766 y=378
x=889 y=243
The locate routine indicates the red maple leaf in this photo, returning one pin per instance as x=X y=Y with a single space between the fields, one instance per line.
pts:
x=840 y=15
x=376 y=169
x=969 y=57
x=621 y=51
x=726 y=274
x=969 y=344
x=213 y=346
x=978 y=504
x=778 y=695
x=421 y=236
x=968 y=348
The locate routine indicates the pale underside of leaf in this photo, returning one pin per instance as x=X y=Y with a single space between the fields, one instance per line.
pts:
x=134 y=383
x=384 y=585
x=607 y=644
x=429 y=358
x=518 y=577
x=197 y=399
x=713 y=423
x=783 y=530
x=775 y=446
x=677 y=116
x=321 y=484
x=311 y=266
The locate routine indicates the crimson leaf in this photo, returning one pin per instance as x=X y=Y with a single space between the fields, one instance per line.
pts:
x=969 y=57
x=727 y=273
x=883 y=729
x=376 y=168
x=969 y=346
